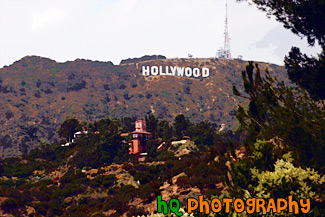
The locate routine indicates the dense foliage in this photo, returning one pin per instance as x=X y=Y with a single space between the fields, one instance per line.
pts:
x=284 y=124
x=80 y=178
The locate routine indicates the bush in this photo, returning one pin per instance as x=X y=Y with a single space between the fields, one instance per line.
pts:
x=258 y=177
x=41 y=208
x=104 y=181
x=287 y=179
x=10 y=205
x=137 y=211
x=122 y=86
x=182 y=181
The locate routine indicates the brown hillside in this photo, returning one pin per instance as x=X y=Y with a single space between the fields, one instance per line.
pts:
x=37 y=94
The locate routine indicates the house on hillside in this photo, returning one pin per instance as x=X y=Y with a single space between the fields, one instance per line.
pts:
x=139 y=143
x=78 y=134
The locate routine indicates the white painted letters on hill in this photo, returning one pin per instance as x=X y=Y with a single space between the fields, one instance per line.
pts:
x=175 y=71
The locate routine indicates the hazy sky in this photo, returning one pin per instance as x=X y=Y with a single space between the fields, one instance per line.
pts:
x=112 y=30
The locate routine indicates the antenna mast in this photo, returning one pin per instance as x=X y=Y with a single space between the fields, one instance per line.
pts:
x=227 y=52
x=224 y=53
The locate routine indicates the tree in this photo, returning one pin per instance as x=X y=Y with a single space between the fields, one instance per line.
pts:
x=308 y=72
x=284 y=114
x=29 y=135
x=164 y=130
x=122 y=153
x=10 y=205
x=96 y=149
x=109 y=140
x=5 y=141
x=152 y=123
x=181 y=125
x=68 y=128
x=128 y=123
x=202 y=134
x=152 y=149
x=287 y=117
x=250 y=179
x=304 y=18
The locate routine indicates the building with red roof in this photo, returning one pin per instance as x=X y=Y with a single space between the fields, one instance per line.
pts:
x=139 y=143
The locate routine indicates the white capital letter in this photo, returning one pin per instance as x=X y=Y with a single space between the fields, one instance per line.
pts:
x=196 y=72
x=161 y=71
x=205 y=72
x=145 y=70
x=173 y=69
x=188 y=72
x=180 y=71
x=154 y=70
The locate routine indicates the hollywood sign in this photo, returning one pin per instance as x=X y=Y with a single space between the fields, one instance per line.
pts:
x=175 y=71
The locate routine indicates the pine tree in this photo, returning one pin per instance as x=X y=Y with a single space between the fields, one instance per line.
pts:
x=68 y=128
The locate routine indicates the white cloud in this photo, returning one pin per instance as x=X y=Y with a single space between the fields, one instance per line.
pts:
x=128 y=4
x=44 y=18
x=111 y=30
x=263 y=54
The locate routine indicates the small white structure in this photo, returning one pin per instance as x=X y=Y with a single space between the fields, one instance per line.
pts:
x=78 y=134
x=66 y=144
x=223 y=126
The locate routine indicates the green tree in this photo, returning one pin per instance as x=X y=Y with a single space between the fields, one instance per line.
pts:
x=152 y=123
x=122 y=153
x=181 y=125
x=202 y=134
x=109 y=140
x=164 y=130
x=102 y=144
x=152 y=149
x=281 y=180
x=284 y=114
x=68 y=128
x=128 y=123
x=10 y=206
x=308 y=72
x=279 y=120
x=29 y=137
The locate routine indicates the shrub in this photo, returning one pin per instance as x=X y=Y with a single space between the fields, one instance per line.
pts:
x=182 y=181
x=286 y=179
x=10 y=205
x=136 y=211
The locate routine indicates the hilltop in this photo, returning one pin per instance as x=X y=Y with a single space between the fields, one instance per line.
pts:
x=37 y=94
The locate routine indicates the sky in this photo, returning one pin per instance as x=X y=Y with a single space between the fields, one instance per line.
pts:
x=112 y=30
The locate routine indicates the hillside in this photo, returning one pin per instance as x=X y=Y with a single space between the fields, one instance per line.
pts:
x=37 y=94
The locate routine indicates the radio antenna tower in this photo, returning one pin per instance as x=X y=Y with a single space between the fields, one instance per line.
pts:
x=224 y=53
x=227 y=53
